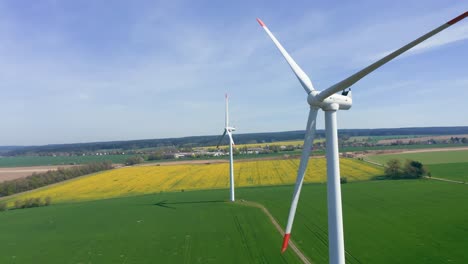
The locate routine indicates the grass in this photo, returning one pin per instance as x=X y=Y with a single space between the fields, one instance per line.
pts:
x=149 y=179
x=450 y=171
x=192 y=227
x=436 y=157
x=417 y=221
x=21 y=161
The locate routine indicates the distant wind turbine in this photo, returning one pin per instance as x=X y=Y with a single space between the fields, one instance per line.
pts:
x=228 y=130
x=330 y=103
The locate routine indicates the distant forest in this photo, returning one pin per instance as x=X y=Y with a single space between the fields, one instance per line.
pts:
x=200 y=141
x=37 y=180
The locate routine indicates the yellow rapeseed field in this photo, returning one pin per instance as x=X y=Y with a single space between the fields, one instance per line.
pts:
x=150 y=179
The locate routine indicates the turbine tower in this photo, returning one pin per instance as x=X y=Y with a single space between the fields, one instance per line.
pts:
x=228 y=130
x=330 y=103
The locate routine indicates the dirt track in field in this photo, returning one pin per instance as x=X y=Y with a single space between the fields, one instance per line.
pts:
x=445 y=180
x=403 y=151
x=418 y=139
x=292 y=245
x=434 y=150
x=21 y=172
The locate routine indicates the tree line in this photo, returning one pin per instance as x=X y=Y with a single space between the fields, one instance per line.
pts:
x=37 y=180
x=27 y=203
x=199 y=141
x=412 y=169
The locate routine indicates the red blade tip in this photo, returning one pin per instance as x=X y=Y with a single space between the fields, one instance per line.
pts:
x=458 y=18
x=285 y=242
x=260 y=22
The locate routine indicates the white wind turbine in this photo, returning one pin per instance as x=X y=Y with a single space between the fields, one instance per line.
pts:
x=330 y=102
x=228 y=130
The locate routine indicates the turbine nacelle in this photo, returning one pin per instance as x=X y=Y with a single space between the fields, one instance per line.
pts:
x=344 y=102
x=230 y=129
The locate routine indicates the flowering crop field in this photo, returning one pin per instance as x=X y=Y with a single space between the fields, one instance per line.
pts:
x=152 y=179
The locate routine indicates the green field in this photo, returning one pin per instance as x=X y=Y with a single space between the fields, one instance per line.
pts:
x=385 y=222
x=435 y=157
x=451 y=165
x=415 y=221
x=21 y=161
x=451 y=171
x=193 y=227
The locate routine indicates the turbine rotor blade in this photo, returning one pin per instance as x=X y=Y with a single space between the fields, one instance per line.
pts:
x=308 y=143
x=221 y=138
x=360 y=74
x=300 y=74
x=230 y=138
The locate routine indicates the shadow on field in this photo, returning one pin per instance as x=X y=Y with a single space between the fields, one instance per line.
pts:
x=167 y=204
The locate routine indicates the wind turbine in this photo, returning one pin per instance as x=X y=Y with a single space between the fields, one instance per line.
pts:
x=228 y=130
x=330 y=103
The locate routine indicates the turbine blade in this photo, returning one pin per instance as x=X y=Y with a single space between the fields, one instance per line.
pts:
x=221 y=138
x=300 y=74
x=230 y=138
x=308 y=143
x=360 y=74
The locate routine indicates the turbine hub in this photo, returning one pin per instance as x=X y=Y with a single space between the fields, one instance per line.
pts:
x=312 y=99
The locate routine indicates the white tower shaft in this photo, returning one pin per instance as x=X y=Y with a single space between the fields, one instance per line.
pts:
x=231 y=171
x=335 y=217
x=228 y=130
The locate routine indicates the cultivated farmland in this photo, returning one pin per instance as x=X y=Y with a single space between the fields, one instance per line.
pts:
x=150 y=179
x=385 y=222
x=23 y=161
x=451 y=165
x=277 y=143
x=190 y=227
x=405 y=221
x=7 y=174
x=433 y=157
x=450 y=171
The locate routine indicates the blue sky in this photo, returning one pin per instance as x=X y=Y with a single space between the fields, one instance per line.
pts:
x=80 y=71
